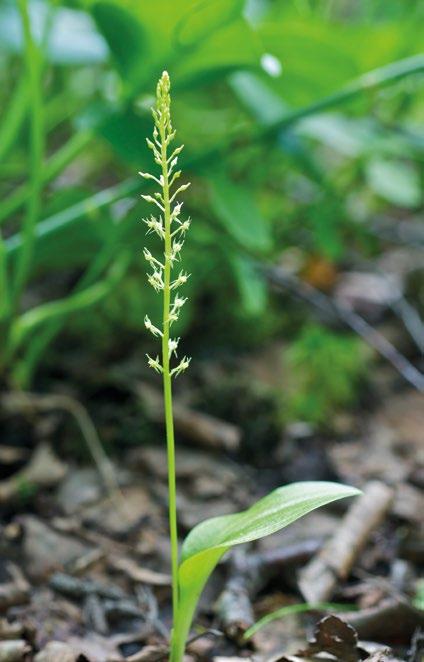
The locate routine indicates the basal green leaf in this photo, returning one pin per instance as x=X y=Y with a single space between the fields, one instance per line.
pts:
x=208 y=541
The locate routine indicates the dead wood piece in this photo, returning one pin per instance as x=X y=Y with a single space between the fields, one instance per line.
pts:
x=206 y=430
x=137 y=573
x=77 y=588
x=393 y=619
x=319 y=578
x=234 y=607
x=86 y=562
x=14 y=650
x=94 y=614
x=247 y=575
x=115 y=609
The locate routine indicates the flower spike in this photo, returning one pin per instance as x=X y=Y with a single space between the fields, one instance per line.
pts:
x=170 y=229
x=165 y=198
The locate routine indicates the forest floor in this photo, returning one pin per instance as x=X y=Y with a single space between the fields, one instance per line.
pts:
x=84 y=568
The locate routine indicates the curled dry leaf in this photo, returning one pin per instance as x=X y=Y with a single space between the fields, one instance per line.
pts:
x=336 y=637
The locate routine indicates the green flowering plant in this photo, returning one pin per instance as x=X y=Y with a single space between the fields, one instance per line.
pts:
x=209 y=540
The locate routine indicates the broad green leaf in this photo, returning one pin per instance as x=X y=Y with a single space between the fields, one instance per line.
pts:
x=203 y=19
x=307 y=52
x=232 y=46
x=265 y=105
x=125 y=36
x=193 y=40
x=235 y=206
x=209 y=540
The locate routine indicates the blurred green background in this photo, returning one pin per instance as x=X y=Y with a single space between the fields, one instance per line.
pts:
x=301 y=123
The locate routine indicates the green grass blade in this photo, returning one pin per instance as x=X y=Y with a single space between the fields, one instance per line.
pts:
x=295 y=609
x=32 y=319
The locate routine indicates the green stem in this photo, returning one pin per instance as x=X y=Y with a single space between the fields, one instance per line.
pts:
x=33 y=63
x=58 y=222
x=167 y=385
x=23 y=370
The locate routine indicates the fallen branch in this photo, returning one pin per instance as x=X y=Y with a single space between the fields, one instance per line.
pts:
x=137 y=573
x=247 y=575
x=234 y=607
x=319 y=578
x=206 y=430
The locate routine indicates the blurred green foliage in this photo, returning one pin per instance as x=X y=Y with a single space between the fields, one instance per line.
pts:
x=326 y=370
x=290 y=141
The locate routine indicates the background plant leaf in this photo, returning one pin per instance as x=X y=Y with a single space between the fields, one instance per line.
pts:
x=236 y=209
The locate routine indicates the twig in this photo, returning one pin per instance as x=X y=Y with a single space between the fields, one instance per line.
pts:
x=137 y=573
x=411 y=320
x=248 y=575
x=234 y=606
x=336 y=311
x=77 y=589
x=319 y=578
